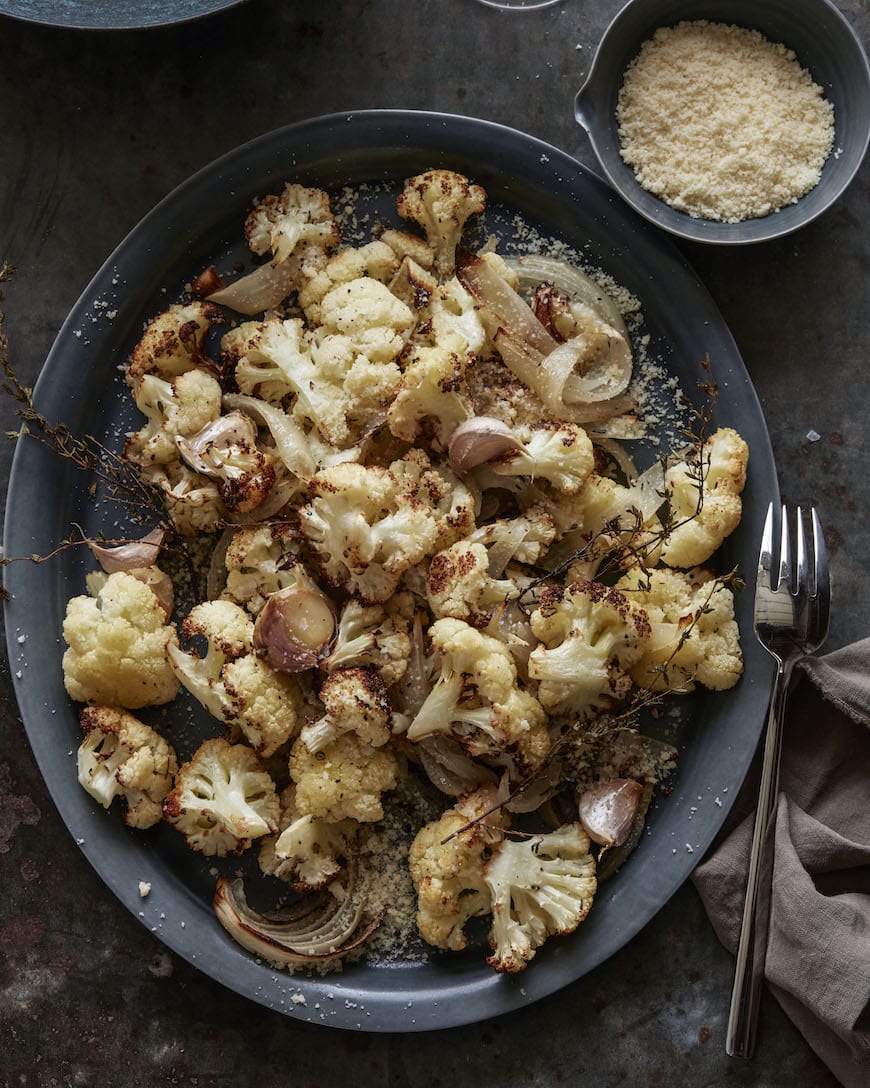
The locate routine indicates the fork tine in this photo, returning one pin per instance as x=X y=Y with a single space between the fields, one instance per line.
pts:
x=765 y=553
x=821 y=577
x=802 y=564
x=784 y=552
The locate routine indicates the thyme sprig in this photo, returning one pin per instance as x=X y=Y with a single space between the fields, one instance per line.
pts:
x=119 y=480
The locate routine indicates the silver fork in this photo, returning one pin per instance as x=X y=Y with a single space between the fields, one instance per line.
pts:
x=791 y=621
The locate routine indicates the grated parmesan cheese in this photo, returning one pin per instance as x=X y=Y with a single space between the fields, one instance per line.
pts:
x=721 y=123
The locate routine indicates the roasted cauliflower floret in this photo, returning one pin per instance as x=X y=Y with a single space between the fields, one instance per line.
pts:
x=223 y=799
x=408 y=247
x=226 y=451
x=298 y=217
x=177 y=407
x=441 y=202
x=344 y=780
x=232 y=683
x=476 y=699
x=367 y=527
x=704 y=497
x=265 y=704
x=459 y=584
x=173 y=342
x=369 y=315
x=560 y=453
x=454 y=320
x=355 y=701
x=258 y=561
x=448 y=875
x=337 y=378
x=117 y=646
x=375 y=260
x=432 y=398
x=368 y=635
x=192 y=500
x=592 y=635
x=306 y=852
x=523 y=539
x=122 y=757
x=450 y=500
x=540 y=887
x=695 y=638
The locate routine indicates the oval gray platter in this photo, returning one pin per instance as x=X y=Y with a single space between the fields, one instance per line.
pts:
x=200 y=223
x=112 y=14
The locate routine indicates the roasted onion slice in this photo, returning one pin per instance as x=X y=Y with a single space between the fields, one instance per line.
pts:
x=323 y=927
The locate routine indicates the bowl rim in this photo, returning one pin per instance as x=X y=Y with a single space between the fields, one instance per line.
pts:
x=678 y=223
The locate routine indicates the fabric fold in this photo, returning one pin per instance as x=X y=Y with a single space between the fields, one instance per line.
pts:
x=818 y=961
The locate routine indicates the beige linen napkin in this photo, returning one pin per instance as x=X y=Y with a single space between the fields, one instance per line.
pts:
x=818 y=961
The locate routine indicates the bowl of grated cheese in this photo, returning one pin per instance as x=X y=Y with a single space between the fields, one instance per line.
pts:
x=728 y=121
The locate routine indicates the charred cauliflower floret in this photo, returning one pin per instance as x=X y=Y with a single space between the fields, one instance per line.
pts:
x=173 y=342
x=338 y=378
x=704 y=497
x=355 y=701
x=306 y=852
x=441 y=202
x=232 y=683
x=369 y=635
x=174 y=408
x=192 y=500
x=122 y=757
x=117 y=649
x=256 y=562
x=695 y=638
x=226 y=451
x=367 y=527
x=450 y=500
x=223 y=799
x=591 y=637
x=540 y=887
x=298 y=217
x=523 y=539
x=459 y=584
x=344 y=780
x=432 y=398
x=448 y=875
x=477 y=700
x=558 y=452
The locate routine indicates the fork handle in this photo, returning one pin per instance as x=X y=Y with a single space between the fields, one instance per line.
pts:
x=752 y=947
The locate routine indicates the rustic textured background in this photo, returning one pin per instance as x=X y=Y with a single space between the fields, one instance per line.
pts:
x=96 y=128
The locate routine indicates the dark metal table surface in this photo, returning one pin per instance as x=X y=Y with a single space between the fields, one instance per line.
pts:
x=94 y=129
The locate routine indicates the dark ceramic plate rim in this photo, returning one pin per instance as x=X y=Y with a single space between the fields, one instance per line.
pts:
x=132 y=15
x=457 y=989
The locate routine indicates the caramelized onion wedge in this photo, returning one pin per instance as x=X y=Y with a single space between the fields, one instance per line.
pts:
x=478 y=440
x=262 y=289
x=449 y=768
x=608 y=810
x=137 y=553
x=324 y=930
x=535 y=269
x=504 y=304
x=290 y=442
x=593 y=366
x=294 y=629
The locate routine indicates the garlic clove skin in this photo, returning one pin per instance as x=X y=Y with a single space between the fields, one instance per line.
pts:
x=130 y=556
x=478 y=440
x=294 y=629
x=608 y=810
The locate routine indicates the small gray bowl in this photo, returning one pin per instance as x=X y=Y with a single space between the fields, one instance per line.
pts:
x=825 y=44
